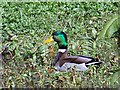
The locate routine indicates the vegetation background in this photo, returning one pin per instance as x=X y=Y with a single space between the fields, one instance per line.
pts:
x=91 y=29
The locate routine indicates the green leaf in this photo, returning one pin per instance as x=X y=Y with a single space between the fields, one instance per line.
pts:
x=114 y=78
x=109 y=28
x=34 y=57
x=94 y=44
x=94 y=32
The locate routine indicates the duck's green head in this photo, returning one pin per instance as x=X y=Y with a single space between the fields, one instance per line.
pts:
x=61 y=39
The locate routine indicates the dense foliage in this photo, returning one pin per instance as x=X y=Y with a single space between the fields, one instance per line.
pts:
x=26 y=60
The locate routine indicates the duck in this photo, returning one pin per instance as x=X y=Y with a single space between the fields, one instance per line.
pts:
x=64 y=62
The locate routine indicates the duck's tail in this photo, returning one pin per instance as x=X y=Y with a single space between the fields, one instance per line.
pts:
x=94 y=63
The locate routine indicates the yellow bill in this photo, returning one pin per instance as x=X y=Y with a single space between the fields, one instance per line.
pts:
x=48 y=40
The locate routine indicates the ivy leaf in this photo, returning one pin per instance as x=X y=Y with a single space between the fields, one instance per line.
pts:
x=109 y=28
x=114 y=78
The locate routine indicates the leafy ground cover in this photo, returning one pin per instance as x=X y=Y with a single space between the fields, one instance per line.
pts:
x=26 y=60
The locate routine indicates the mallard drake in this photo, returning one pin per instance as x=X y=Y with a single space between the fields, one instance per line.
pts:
x=63 y=62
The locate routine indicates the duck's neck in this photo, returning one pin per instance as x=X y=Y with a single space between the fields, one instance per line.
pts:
x=62 y=46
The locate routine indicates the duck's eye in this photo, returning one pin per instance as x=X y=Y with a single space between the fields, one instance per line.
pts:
x=55 y=38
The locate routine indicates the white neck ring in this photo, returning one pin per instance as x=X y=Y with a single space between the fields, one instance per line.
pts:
x=62 y=50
